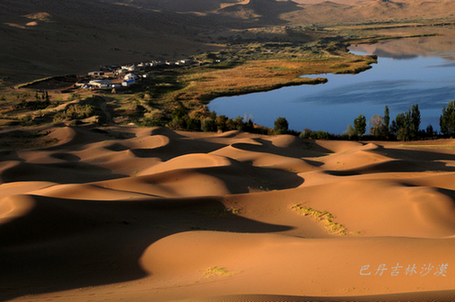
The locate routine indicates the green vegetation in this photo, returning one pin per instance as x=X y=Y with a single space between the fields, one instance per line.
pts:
x=281 y=126
x=360 y=125
x=309 y=134
x=74 y=112
x=176 y=97
x=406 y=125
x=27 y=108
x=447 y=120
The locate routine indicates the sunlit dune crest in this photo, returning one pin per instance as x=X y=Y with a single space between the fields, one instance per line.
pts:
x=42 y=16
x=15 y=25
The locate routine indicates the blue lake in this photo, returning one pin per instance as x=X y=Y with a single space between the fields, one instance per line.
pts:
x=399 y=82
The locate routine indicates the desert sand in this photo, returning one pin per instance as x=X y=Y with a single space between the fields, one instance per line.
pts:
x=150 y=214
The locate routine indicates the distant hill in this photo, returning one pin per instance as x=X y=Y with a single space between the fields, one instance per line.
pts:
x=79 y=35
x=351 y=11
x=41 y=38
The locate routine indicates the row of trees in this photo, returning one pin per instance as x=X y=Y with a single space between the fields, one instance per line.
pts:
x=405 y=126
x=213 y=123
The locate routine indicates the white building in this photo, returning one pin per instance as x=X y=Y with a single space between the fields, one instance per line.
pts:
x=128 y=83
x=101 y=83
x=130 y=76
x=96 y=73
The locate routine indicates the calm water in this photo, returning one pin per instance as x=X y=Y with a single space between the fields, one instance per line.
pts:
x=399 y=81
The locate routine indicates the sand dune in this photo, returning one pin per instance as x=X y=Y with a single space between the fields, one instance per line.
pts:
x=158 y=215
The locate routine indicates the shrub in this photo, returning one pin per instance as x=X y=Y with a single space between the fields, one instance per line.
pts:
x=193 y=124
x=208 y=125
x=177 y=125
x=221 y=122
x=239 y=124
x=305 y=133
x=74 y=112
x=319 y=135
x=153 y=122
x=26 y=120
x=281 y=126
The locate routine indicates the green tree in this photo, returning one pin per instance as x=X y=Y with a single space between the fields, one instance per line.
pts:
x=415 y=120
x=213 y=115
x=193 y=124
x=447 y=119
x=430 y=132
x=386 y=116
x=239 y=124
x=385 y=127
x=360 y=125
x=406 y=125
x=281 y=125
x=221 y=122
x=179 y=112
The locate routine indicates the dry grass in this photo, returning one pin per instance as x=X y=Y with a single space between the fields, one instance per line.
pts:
x=217 y=272
x=263 y=75
x=324 y=218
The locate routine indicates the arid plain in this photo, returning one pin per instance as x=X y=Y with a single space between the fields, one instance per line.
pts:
x=114 y=213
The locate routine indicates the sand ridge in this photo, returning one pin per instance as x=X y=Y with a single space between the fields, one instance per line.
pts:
x=158 y=215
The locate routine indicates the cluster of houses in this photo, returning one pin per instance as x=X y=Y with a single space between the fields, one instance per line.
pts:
x=115 y=76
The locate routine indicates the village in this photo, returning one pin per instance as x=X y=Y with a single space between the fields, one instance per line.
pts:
x=123 y=76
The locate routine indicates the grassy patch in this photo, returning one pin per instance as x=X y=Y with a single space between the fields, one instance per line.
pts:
x=324 y=218
x=215 y=271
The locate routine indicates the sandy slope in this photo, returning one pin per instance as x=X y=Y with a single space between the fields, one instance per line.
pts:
x=54 y=37
x=167 y=216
